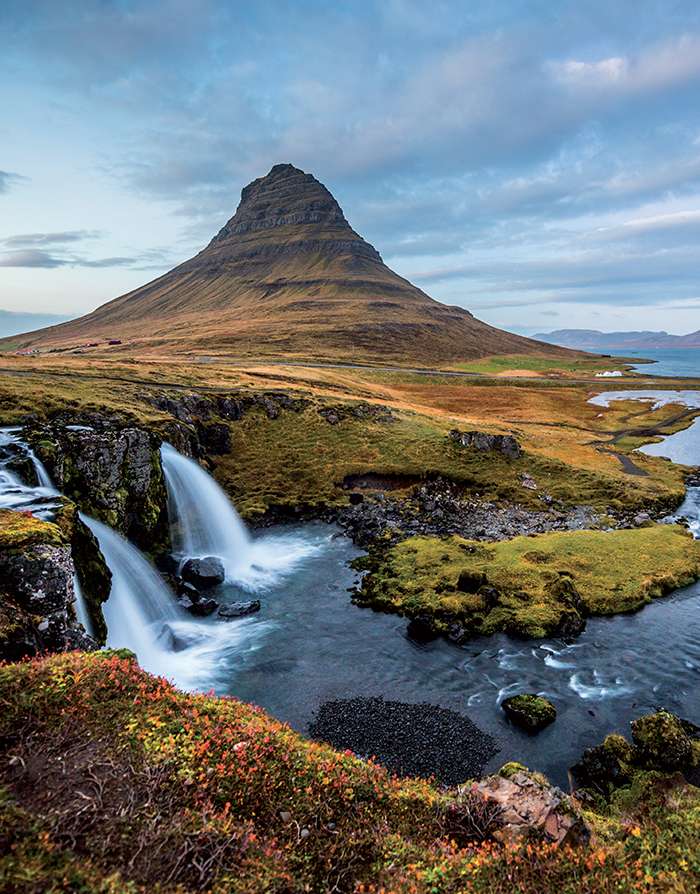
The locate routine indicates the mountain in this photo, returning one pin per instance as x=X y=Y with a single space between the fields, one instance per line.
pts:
x=287 y=275
x=13 y=322
x=593 y=340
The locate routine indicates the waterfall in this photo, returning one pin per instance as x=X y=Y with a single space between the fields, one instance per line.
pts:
x=140 y=605
x=142 y=615
x=203 y=521
x=80 y=607
x=42 y=475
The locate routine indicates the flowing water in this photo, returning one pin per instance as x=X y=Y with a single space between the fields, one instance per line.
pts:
x=309 y=643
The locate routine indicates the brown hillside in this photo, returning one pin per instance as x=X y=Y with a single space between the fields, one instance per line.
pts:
x=288 y=276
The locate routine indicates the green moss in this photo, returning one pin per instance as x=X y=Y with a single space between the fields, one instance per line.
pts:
x=534 y=586
x=19 y=530
x=530 y=711
x=662 y=741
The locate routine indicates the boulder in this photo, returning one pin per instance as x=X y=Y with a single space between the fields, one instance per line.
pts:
x=530 y=711
x=239 y=609
x=480 y=440
x=201 y=608
x=421 y=630
x=203 y=573
x=530 y=806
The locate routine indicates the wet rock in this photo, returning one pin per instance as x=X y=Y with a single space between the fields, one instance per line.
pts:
x=37 y=595
x=239 y=609
x=421 y=630
x=167 y=563
x=204 y=573
x=531 y=807
x=203 y=607
x=531 y=712
x=479 y=440
x=183 y=588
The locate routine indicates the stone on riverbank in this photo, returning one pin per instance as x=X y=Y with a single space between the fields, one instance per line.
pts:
x=409 y=739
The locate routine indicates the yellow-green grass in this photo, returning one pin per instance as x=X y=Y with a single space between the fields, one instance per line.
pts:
x=299 y=459
x=539 y=580
x=582 y=365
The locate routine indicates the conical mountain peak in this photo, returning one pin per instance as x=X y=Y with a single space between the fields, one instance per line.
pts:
x=287 y=196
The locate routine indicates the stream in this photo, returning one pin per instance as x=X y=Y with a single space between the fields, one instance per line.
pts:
x=310 y=644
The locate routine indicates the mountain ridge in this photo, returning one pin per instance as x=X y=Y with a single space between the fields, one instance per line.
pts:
x=594 y=339
x=288 y=276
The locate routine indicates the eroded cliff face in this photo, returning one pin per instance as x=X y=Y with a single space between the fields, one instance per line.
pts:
x=37 y=593
x=110 y=468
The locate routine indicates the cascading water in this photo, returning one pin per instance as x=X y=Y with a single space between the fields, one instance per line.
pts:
x=204 y=523
x=202 y=520
x=142 y=615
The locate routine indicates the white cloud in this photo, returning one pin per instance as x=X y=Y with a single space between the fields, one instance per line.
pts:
x=656 y=68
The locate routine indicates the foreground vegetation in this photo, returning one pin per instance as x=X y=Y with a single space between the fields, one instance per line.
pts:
x=529 y=586
x=112 y=781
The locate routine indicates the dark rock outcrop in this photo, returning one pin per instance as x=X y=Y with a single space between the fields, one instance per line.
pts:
x=36 y=589
x=110 y=468
x=439 y=507
x=480 y=440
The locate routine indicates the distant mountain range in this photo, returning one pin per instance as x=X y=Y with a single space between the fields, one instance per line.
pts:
x=14 y=322
x=593 y=340
x=288 y=276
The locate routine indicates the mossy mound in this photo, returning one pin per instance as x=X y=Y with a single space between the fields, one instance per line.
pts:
x=529 y=586
x=661 y=743
x=530 y=711
x=19 y=530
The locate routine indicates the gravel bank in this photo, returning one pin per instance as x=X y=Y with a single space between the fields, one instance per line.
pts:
x=410 y=740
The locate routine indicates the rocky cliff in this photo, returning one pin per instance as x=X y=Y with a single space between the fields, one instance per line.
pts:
x=37 y=591
x=110 y=467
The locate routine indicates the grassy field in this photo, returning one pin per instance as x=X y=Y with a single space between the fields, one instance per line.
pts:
x=530 y=586
x=301 y=459
x=514 y=363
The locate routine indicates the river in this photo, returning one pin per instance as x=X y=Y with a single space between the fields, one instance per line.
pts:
x=310 y=644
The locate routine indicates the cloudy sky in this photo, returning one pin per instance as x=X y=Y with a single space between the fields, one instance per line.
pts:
x=536 y=162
